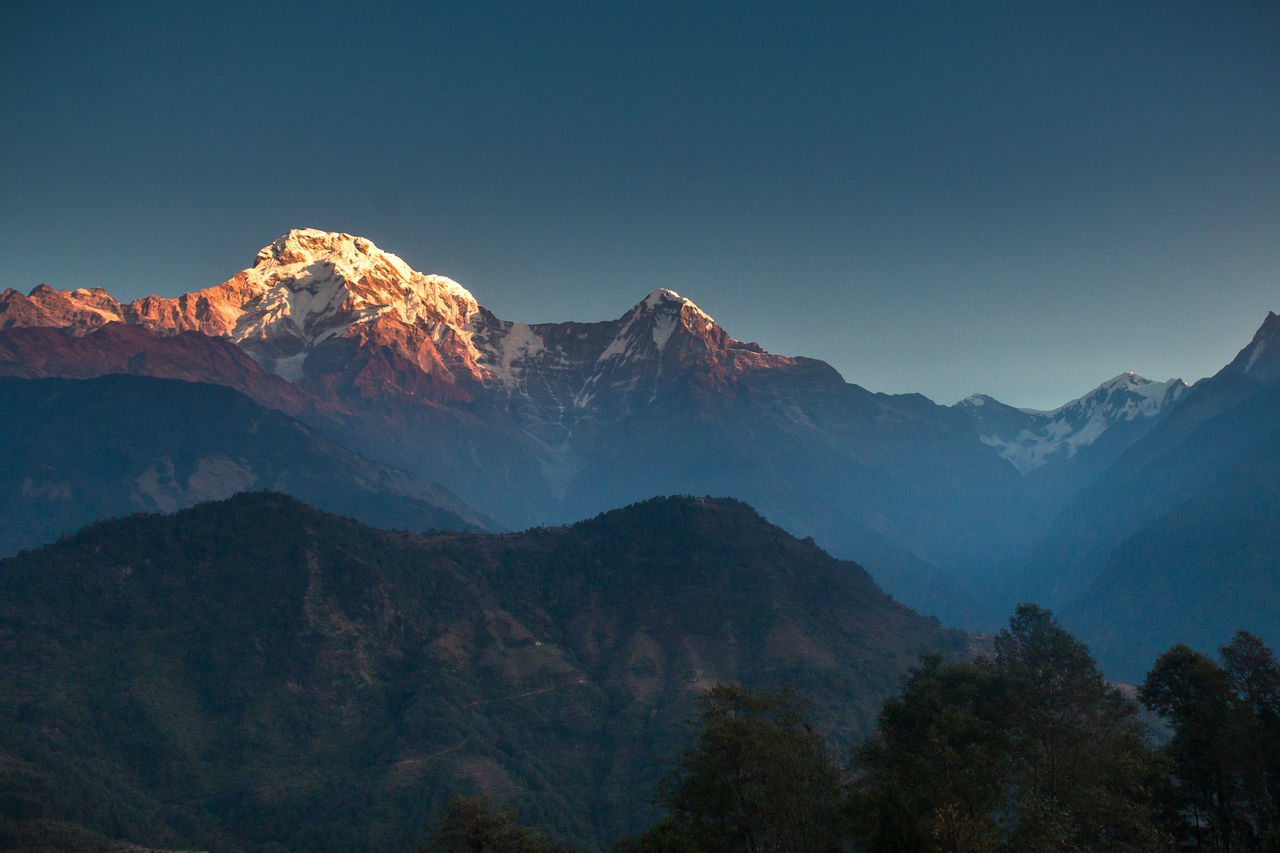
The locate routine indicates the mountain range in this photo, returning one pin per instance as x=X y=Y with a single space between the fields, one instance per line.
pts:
x=958 y=511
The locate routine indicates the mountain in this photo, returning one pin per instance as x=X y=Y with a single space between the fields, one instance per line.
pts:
x=1260 y=360
x=1110 y=417
x=69 y=352
x=314 y=299
x=1208 y=434
x=1060 y=453
x=958 y=511
x=1170 y=542
x=1196 y=574
x=254 y=674
x=548 y=422
x=80 y=450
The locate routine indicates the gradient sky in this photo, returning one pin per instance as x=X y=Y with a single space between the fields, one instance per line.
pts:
x=1022 y=199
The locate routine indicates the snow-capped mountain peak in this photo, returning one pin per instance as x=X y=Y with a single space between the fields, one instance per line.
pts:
x=667 y=301
x=664 y=297
x=314 y=284
x=1125 y=397
x=646 y=329
x=1030 y=439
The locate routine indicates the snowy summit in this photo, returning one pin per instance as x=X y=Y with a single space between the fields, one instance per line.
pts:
x=1029 y=439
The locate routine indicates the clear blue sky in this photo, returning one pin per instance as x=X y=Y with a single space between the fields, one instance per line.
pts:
x=1017 y=198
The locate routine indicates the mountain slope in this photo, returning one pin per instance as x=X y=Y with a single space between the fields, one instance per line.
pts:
x=1219 y=423
x=548 y=422
x=254 y=672
x=69 y=353
x=1196 y=574
x=1172 y=542
x=79 y=451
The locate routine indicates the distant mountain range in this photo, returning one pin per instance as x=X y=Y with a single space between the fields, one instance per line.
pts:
x=253 y=674
x=958 y=511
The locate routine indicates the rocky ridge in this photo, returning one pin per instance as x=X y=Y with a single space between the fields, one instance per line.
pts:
x=1030 y=439
x=336 y=309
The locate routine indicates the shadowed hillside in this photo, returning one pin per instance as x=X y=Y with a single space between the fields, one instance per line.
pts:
x=255 y=672
x=76 y=451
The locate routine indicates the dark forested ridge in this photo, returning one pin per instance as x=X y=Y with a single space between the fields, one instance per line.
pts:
x=255 y=674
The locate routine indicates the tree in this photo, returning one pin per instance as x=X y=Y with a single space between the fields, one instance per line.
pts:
x=1030 y=750
x=1191 y=691
x=1225 y=750
x=1083 y=776
x=934 y=774
x=665 y=836
x=759 y=778
x=475 y=825
x=1254 y=744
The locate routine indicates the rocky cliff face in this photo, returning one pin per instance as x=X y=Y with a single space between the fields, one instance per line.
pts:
x=79 y=310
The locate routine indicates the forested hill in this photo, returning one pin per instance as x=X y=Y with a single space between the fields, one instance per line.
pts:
x=254 y=672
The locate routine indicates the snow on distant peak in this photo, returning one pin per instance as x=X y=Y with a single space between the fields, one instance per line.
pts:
x=1062 y=432
x=1129 y=396
x=313 y=284
x=654 y=319
x=663 y=295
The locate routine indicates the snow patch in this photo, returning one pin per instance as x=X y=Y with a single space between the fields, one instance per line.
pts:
x=1063 y=431
x=621 y=343
x=290 y=368
x=516 y=346
x=1258 y=349
x=661 y=295
x=662 y=329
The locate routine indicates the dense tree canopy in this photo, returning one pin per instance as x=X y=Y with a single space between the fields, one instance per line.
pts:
x=1030 y=750
x=476 y=825
x=1225 y=748
x=759 y=778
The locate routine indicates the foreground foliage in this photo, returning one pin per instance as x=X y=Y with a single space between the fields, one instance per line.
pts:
x=759 y=778
x=1029 y=750
x=476 y=825
x=1226 y=744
